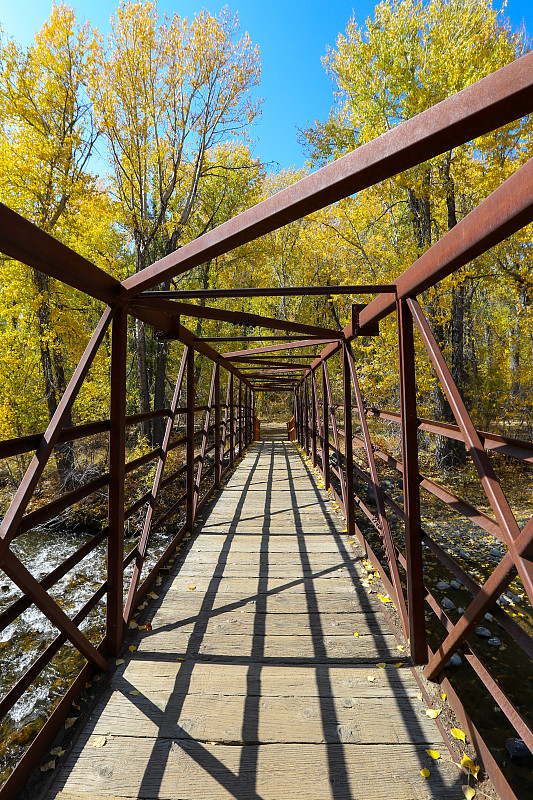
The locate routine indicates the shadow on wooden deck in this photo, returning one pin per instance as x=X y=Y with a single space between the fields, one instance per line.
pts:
x=259 y=679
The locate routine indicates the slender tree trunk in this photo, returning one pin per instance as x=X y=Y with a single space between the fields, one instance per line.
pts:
x=142 y=364
x=159 y=424
x=448 y=452
x=54 y=377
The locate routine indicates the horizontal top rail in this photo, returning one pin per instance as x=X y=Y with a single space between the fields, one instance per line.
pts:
x=276 y=291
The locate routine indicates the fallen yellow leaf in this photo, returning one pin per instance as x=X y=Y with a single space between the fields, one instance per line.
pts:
x=400 y=647
x=399 y=664
x=458 y=734
x=469 y=768
x=132 y=648
x=468 y=792
x=100 y=741
x=444 y=696
x=192 y=588
x=433 y=754
x=180 y=659
x=153 y=595
x=384 y=599
x=57 y=751
x=133 y=625
x=119 y=661
x=425 y=772
x=381 y=665
x=370 y=678
x=49 y=765
x=134 y=692
x=356 y=634
x=433 y=712
x=70 y=722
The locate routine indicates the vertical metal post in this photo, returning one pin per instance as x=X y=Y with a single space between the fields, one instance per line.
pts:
x=239 y=417
x=190 y=440
x=306 y=416
x=246 y=417
x=117 y=458
x=253 y=416
x=313 y=420
x=218 y=450
x=301 y=416
x=325 y=428
x=231 y=423
x=411 y=486
x=348 y=443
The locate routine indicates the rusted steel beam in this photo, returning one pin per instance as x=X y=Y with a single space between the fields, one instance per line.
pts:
x=18 y=573
x=239 y=417
x=384 y=527
x=218 y=450
x=411 y=491
x=190 y=440
x=325 y=428
x=275 y=348
x=497 y=499
x=250 y=338
x=515 y=718
x=142 y=545
x=347 y=364
x=274 y=357
x=233 y=317
x=22 y=496
x=313 y=419
x=277 y=291
x=17 y=690
x=507 y=209
x=203 y=447
x=493 y=101
x=24 y=444
x=117 y=456
x=231 y=423
x=26 y=242
x=19 y=606
x=505 y=445
x=251 y=364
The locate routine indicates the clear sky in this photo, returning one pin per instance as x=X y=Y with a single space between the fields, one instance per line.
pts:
x=292 y=36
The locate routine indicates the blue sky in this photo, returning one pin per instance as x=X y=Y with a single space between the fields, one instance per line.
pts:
x=292 y=36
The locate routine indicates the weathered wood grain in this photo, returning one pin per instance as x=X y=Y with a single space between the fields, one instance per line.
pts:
x=188 y=770
x=251 y=684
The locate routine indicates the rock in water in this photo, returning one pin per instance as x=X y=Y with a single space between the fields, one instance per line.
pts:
x=447 y=603
x=494 y=641
x=455 y=661
x=455 y=584
x=483 y=632
x=519 y=751
x=443 y=585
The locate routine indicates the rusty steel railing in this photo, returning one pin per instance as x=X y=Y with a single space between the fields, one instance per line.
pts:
x=297 y=364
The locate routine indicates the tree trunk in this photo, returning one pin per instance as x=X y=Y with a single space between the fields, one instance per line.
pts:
x=54 y=378
x=142 y=365
x=450 y=453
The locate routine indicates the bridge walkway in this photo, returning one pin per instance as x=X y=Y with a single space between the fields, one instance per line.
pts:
x=251 y=683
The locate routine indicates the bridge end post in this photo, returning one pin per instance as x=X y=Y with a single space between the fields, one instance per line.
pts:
x=411 y=485
x=117 y=459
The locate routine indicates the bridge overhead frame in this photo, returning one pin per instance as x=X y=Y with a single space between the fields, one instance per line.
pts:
x=499 y=99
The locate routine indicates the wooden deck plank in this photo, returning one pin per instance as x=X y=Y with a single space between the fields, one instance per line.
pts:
x=191 y=770
x=251 y=684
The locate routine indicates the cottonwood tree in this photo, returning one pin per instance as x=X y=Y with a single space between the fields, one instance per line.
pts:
x=165 y=93
x=47 y=137
x=409 y=56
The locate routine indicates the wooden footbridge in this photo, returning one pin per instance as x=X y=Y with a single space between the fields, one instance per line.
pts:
x=252 y=682
x=258 y=655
